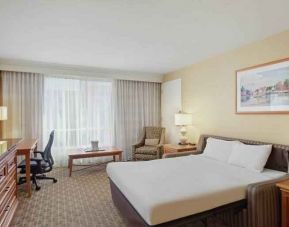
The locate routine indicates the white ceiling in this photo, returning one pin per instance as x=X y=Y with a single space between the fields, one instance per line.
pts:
x=138 y=35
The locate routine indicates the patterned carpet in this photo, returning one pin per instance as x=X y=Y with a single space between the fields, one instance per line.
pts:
x=81 y=200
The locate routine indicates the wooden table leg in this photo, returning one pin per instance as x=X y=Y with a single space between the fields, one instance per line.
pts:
x=70 y=160
x=113 y=158
x=120 y=157
x=27 y=163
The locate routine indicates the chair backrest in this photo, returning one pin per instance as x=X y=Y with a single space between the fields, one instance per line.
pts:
x=155 y=133
x=47 y=151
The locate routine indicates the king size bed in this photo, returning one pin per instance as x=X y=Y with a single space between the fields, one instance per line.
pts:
x=193 y=190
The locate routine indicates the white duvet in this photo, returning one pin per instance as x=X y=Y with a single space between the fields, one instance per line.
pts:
x=167 y=189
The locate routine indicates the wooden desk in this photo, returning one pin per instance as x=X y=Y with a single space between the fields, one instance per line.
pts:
x=284 y=187
x=80 y=154
x=26 y=147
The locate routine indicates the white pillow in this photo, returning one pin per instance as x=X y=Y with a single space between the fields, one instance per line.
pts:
x=152 y=142
x=219 y=149
x=252 y=157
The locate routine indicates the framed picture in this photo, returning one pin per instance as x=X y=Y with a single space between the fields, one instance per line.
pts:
x=263 y=88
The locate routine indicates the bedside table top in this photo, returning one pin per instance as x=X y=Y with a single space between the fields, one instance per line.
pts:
x=178 y=148
x=283 y=185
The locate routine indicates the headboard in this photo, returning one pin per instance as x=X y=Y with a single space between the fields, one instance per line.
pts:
x=278 y=159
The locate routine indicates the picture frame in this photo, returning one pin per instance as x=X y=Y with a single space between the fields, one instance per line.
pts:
x=263 y=89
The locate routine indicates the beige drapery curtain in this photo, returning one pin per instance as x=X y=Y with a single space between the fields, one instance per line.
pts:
x=137 y=104
x=22 y=93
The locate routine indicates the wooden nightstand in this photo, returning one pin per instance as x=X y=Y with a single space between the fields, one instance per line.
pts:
x=284 y=187
x=172 y=148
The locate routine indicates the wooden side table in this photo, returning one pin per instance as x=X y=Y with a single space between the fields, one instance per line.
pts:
x=284 y=187
x=172 y=148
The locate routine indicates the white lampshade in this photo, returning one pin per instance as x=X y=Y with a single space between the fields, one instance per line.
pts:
x=183 y=119
x=3 y=113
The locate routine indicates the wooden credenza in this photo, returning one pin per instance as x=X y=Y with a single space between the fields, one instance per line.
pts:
x=8 y=166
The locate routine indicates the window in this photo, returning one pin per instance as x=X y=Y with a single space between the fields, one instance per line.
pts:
x=79 y=111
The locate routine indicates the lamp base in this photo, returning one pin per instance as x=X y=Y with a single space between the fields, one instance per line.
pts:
x=183 y=140
x=183 y=143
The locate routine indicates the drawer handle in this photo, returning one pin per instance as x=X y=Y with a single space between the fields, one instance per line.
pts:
x=7 y=208
x=11 y=163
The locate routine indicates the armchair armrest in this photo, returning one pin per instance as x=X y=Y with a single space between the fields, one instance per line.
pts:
x=141 y=140
x=179 y=154
x=137 y=145
x=263 y=203
x=134 y=147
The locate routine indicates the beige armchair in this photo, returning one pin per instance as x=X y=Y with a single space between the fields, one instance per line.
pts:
x=141 y=151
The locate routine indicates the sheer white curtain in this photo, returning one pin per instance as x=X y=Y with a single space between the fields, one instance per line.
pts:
x=23 y=95
x=79 y=111
x=137 y=104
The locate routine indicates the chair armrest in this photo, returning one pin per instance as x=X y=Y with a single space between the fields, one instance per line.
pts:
x=263 y=203
x=179 y=154
x=137 y=145
x=39 y=152
x=160 y=148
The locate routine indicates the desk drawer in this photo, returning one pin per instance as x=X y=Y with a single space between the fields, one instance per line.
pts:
x=11 y=163
x=3 y=170
x=9 y=209
x=5 y=193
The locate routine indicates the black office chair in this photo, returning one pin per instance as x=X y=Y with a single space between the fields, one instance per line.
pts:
x=39 y=166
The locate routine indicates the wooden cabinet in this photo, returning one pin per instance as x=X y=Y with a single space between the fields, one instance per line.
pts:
x=8 y=163
x=284 y=187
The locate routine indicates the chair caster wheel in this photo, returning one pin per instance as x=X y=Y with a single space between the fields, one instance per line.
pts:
x=37 y=188
x=54 y=180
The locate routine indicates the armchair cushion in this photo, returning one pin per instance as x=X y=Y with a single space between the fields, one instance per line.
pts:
x=150 y=150
x=152 y=142
x=145 y=157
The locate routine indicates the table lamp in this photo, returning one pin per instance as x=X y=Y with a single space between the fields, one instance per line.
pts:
x=3 y=113
x=182 y=120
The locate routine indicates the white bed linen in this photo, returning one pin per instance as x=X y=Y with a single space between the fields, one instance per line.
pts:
x=167 y=189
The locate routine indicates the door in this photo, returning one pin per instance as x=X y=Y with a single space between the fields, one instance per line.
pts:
x=171 y=102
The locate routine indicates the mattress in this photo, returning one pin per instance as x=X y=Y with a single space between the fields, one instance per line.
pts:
x=168 y=189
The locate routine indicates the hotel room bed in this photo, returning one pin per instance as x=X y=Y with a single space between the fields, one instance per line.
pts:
x=189 y=189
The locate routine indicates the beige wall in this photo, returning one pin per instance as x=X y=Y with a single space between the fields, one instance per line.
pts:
x=208 y=91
